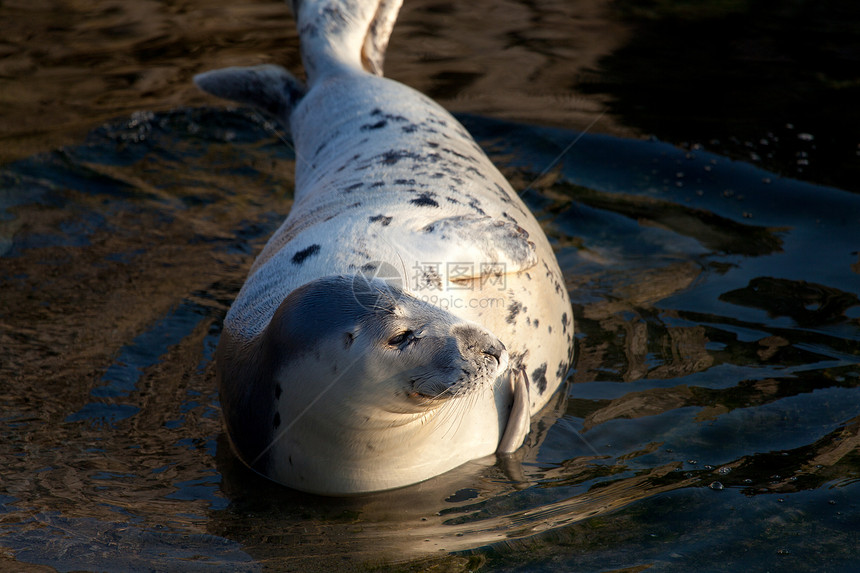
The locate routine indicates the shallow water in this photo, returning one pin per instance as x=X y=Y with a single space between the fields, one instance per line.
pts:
x=712 y=416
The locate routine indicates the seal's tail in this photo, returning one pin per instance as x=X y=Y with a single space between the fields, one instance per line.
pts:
x=337 y=36
x=344 y=34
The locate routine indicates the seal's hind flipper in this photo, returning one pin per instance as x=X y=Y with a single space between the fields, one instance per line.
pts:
x=269 y=88
x=376 y=41
x=338 y=36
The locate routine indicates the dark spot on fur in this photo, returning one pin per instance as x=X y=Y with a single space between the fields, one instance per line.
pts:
x=539 y=378
x=564 y=322
x=562 y=369
x=381 y=219
x=404 y=182
x=348 y=161
x=376 y=184
x=369 y=267
x=392 y=157
x=514 y=309
x=476 y=205
x=429 y=279
x=476 y=172
x=300 y=257
x=536 y=323
x=459 y=155
x=514 y=221
x=388 y=116
x=378 y=125
x=277 y=421
x=424 y=200
x=353 y=187
x=349 y=339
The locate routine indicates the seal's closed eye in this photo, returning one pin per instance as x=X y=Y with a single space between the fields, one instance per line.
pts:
x=400 y=338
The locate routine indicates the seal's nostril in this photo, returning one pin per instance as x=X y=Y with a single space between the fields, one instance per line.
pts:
x=494 y=351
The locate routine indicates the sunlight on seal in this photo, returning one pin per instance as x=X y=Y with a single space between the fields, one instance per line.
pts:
x=409 y=314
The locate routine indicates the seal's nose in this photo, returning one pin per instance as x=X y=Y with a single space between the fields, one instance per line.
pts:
x=495 y=350
x=475 y=342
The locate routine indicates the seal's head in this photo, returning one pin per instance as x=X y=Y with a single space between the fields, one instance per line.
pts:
x=358 y=386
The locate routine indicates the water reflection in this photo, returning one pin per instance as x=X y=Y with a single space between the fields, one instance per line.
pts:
x=707 y=351
x=717 y=302
x=747 y=79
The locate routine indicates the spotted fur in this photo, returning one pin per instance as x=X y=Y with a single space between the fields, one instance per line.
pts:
x=385 y=179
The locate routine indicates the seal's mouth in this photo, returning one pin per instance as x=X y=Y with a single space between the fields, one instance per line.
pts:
x=460 y=380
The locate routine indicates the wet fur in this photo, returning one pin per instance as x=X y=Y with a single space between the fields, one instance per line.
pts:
x=383 y=174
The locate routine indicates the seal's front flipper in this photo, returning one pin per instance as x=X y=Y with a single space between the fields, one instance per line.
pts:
x=519 y=420
x=269 y=88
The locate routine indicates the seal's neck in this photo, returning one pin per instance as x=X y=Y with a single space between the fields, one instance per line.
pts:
x=383 y=457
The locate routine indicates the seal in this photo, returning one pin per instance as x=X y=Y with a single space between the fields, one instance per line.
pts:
x=409 y=314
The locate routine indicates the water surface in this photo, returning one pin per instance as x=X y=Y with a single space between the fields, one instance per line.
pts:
x=712 y=416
